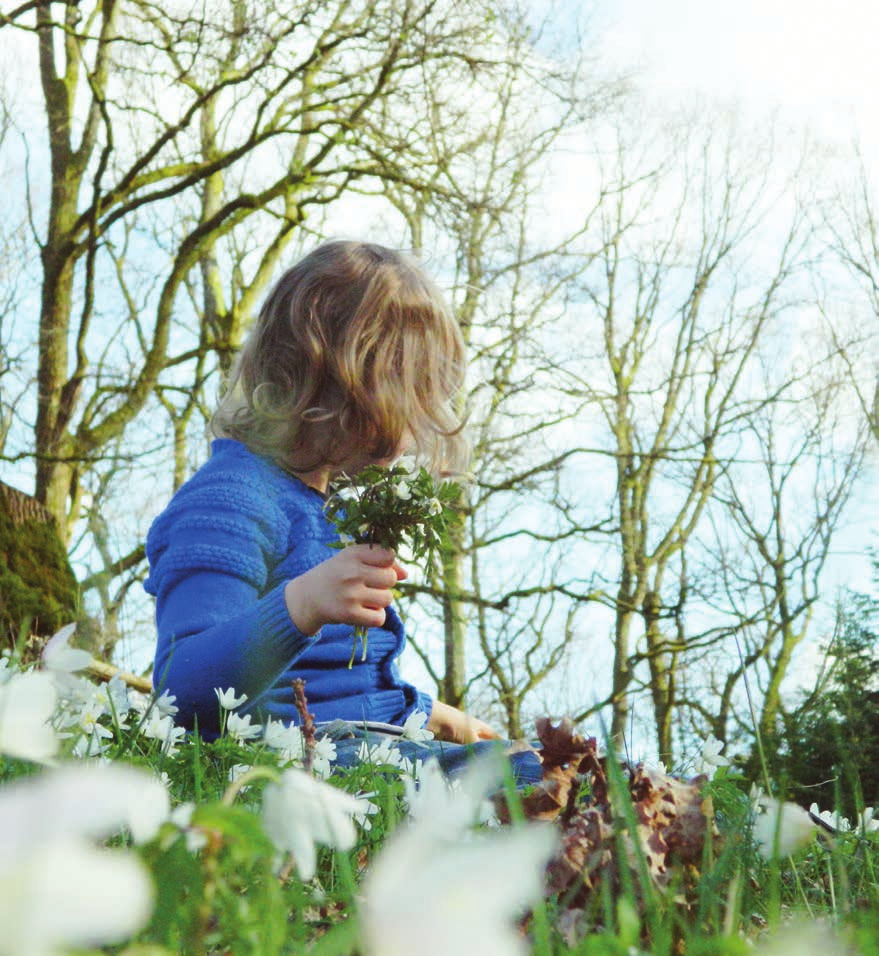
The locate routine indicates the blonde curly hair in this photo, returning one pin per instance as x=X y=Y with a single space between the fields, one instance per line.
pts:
x=355 y=352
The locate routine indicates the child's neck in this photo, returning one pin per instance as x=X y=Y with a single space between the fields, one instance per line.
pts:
x=318 y=479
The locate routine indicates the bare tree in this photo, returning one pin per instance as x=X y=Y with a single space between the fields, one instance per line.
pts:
x=851 y=220
x=781 y=501
x=676 y=316
x=189 y=125
x=506 y=625
x=13 y=260
x=191 y=151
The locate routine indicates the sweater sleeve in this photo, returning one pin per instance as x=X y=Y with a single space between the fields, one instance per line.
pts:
x=219 y=622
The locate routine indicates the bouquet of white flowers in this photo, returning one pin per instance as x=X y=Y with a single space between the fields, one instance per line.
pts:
x=392 y=507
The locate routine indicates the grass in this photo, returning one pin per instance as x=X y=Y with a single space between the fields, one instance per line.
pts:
x=222 y=886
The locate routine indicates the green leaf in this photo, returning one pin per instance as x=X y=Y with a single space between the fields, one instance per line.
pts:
x=234 y=823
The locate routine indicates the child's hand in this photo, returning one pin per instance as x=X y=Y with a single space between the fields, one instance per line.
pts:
x=352 y=587
x=449 y=723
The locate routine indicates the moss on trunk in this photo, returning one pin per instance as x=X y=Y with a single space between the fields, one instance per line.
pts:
x=38 y=590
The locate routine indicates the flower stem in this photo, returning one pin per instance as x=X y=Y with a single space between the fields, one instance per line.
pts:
x=361 y=632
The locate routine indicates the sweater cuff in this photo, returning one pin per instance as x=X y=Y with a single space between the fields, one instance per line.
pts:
x=284 y=639
x=424 y=703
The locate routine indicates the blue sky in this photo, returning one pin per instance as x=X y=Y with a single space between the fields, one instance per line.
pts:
x=811 y=63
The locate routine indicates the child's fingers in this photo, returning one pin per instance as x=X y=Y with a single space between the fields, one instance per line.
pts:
x=379 y=558
x=373 y=555
x=484 y=732
x=376 y=597
x=370 y=617
x=381 y=577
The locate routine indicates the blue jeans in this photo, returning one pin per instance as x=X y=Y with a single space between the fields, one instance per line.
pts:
x=452 y=758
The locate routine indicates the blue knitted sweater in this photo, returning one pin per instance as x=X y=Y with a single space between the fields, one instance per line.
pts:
x=220 y=555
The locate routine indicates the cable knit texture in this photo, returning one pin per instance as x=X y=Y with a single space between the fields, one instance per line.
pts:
x=220 y=555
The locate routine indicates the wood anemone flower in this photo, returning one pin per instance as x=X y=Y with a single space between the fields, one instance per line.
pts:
x=393 y=507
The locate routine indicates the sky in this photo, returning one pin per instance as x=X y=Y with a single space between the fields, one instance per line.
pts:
x=812 y=60
x=811 y=63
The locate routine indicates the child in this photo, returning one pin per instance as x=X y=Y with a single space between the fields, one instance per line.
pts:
x=354 y=359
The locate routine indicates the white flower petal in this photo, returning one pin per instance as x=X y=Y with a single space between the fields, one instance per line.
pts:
x=453 y=897
x=300 y=811
x=450 y=889
x=383 y=753
x=27 y=702
x=781 y=828
x=93 y=801
x=414 y=727
x=803 y=938
x=408 y=464
x=241 y=728
x=165 y=704
x=711 y=757
x=451 y=808
x=59 y=657
x=227 y=698
x=68 y=893
x=833 y=819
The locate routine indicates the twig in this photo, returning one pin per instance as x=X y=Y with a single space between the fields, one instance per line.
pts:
x=307 y=722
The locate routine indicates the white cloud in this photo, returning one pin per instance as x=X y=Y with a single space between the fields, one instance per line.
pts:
x=811 y=60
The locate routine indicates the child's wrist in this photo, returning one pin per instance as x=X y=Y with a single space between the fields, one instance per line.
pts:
x=298 y=609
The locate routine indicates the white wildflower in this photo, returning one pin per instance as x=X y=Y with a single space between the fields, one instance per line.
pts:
x=88 y=746
x=73 y=692
x=803 y=939
x=411 y=769
x=452 y=890
x=868 y=822
x=286 y=739
x=461 y=803
x=6 y=671
x=300 y=811
x=414 y=727
x=655 y=766
x=165 y=704
x=780 y=829
x=227 y=698
x=72 y=894
x=27 y=703
x=275 y=733
x=195 y=837
x=94 y=801
x=158 y=727
x=91 y=710
x=833 y=819
x=60 y=890
x=117 y=701
x=322 y=756
x=117 y=693
x=59 y=657
x=711 y=757
x=382 y=754
x=241 y=728
x=237 y=771
x=181 y=815
x=402 y=491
